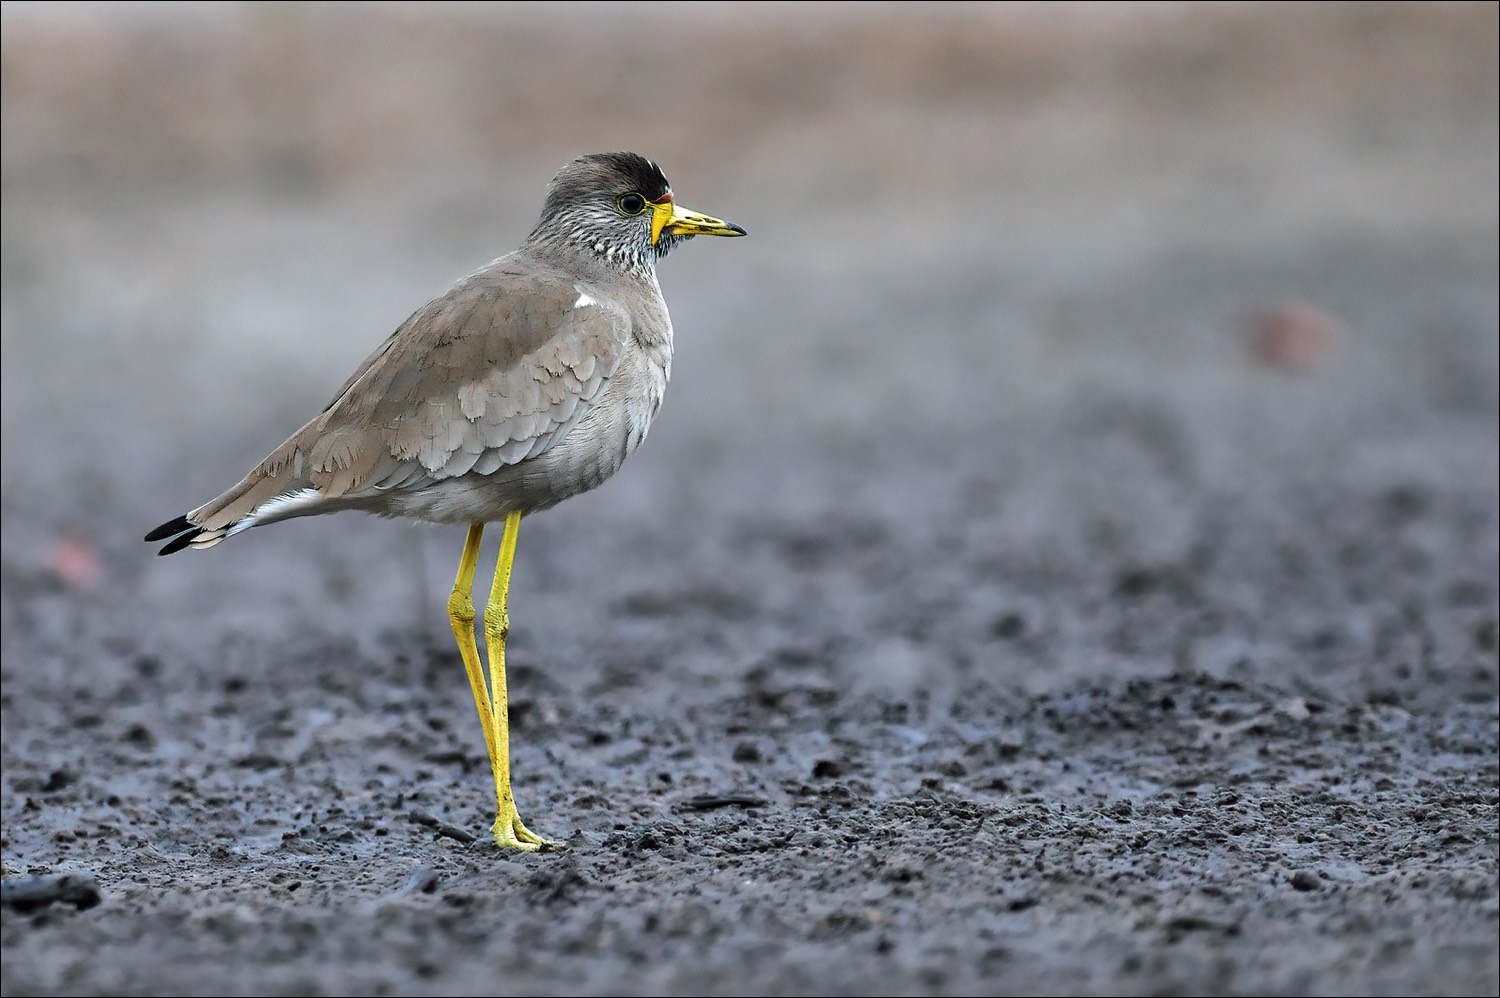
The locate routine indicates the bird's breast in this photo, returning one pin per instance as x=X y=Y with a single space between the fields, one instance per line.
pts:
x=614 y=426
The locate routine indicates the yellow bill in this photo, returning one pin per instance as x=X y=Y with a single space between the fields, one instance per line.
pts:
x=675 y=220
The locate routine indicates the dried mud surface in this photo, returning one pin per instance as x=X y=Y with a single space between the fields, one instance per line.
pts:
x=1065 y=563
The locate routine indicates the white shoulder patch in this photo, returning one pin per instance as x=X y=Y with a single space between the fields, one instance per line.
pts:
x=583 y=298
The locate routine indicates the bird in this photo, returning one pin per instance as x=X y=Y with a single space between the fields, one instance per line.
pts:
x=525 y=383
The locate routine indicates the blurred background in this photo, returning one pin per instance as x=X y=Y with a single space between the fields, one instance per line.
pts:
x=1102 y=409
x=1046 y=294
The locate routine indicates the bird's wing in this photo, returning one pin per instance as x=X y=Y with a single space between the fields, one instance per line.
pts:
x=492 y=372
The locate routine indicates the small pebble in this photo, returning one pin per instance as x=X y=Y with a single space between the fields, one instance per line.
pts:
x=1293 y=336
x=424 y=881
x=1306 y=880
x=747 y=752
x=29 y=893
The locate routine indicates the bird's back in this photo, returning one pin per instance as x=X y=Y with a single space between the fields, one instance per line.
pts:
x=518 y=387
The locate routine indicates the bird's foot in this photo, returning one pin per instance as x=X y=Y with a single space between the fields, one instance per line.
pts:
x=511 y=833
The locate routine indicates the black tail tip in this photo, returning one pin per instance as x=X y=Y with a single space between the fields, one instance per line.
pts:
x=168 y=529
x=180 y=525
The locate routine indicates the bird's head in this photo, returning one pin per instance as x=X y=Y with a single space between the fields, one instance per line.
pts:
x=619 y=207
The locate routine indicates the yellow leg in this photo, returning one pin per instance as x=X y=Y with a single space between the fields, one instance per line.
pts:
x=510 y=832
x=461 y=615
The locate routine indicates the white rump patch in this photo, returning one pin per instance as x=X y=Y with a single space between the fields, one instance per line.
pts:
x=583 y=298
x=277 y=509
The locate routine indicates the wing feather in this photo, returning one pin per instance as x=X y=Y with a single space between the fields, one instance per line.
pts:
x=494 y=371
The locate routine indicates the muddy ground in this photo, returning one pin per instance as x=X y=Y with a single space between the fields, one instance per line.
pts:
x=1066 y=562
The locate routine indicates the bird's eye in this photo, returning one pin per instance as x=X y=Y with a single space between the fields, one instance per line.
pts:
x=631 y=204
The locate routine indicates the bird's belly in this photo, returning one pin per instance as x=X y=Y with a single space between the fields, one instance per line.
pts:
x=582 y=460
x=590 y=454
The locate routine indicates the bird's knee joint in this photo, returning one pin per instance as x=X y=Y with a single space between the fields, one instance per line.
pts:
x=496 y=624
x=461 y=608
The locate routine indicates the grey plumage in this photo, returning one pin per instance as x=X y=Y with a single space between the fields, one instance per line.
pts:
x=526 y=383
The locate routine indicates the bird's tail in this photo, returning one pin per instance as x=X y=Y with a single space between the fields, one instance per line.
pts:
x=275 y=490
x=182 y=531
